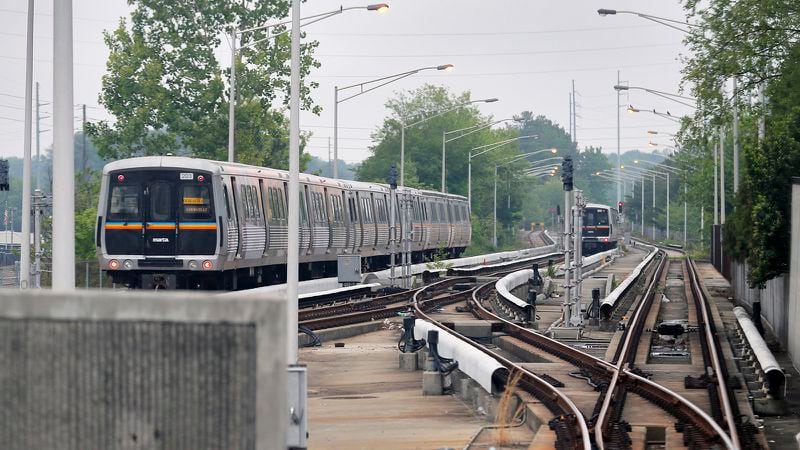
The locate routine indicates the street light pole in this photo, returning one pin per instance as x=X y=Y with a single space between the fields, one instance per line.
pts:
x=382 y=81
x=25 y=246
x=445 y=140
x=63 y=275
x=487 y=148
x=619 y=140
x=235 y=33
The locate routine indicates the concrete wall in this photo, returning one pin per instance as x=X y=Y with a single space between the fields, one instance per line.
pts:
x=793 y=309
x=182 y=370
x=774 y=299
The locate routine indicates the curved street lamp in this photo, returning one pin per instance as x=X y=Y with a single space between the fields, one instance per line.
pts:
x=236 y=33
x=382 y=81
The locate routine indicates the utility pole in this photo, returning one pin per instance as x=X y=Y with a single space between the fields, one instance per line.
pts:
x=38 y=159
x=83 y=144
x=574 y=116
x=392 y=220
x=330 y=164
x=619 y=157
x=25 y=245
x=570 y=113
x=735 y=139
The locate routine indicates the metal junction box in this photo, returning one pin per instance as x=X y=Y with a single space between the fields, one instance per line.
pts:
x=349 y=268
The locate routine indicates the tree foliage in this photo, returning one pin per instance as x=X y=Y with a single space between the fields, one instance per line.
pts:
x=165 y=87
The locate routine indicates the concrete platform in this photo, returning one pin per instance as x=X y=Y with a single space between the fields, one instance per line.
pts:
x=359 y=399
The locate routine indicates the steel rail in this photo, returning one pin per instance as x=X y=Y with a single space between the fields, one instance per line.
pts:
x=718 y=366
x=556 y=401
x=629 y=347
x=672 y=402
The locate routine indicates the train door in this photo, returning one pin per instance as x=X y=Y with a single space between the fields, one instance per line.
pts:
x=264 y=215
x=355 y=221
x=159 y=225
x=232 y=224
x=305 y=227
x=237 y=211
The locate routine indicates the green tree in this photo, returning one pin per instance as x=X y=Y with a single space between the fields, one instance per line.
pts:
x=165 y=87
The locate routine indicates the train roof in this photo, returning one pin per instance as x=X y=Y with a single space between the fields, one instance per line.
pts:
x=224 y=167
x=598 y=205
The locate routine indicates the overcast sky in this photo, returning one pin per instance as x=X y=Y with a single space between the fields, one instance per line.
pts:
x=524 y=52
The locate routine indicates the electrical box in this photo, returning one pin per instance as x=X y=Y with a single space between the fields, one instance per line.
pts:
x=349 y=269
x=297 y=434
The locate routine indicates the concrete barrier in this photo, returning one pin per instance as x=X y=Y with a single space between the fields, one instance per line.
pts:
x=136 y=370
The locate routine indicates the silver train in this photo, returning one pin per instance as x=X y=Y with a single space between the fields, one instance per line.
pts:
x=601 y=228
x=167 y=222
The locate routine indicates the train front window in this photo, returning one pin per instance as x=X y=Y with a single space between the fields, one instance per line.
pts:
x=124 y=204
x=595 y=218
x=196 y=203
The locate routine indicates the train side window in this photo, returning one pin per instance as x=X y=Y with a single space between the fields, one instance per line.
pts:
x=434 y=216
x=125 y=203
x=281 y=204
x=303 y=211
x=227 y=201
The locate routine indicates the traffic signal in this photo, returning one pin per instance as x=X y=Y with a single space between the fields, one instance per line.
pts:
x=3 y=175
x=619 y=206
x=566 y=173
x=393 y=177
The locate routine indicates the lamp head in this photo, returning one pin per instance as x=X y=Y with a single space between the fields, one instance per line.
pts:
x=631 y=109
x=636 y=161
x=554 y=150
x=380 y=7
x=652 y=132
x=445 y=67
x=490 y=100
x=606 y=12
x=652 y=144
x=619 y=87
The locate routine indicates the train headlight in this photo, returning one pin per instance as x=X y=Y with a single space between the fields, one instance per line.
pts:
x=193 y=265
x=113 y=264
x=128 y=264
x=207 y=265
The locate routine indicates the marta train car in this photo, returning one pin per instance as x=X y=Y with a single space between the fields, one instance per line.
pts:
x=167 y=222
x=601 y=228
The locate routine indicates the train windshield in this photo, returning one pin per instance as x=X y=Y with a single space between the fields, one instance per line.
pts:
x=595 y=217
x=125 y=203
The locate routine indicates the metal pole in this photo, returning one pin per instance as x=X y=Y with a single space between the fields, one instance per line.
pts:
x=25 y=248
x=654 y=207
x=494 y=220
x=232 y=100
x=566 y=309
x=702 y=226
x=37 y=241
x=444 y=158
x=667 y=205
x=336 y=132
x=38 y=159
x=293 y=251
x=722 y=176
x=684 y=211
x=642 y=206
x=402 y=152
x=735 y=139
x=762 y=126
x=83 y=144
x=469 y=180
x=63 y=149
x=86 y=275
x=716 y=184
x=574 y=116
x=577 y=221
x=619 y=140
x=392 y=236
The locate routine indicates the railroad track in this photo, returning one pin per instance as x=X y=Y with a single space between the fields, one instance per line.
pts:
x=390 y=305
x=568 y=422
x=618 y=378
